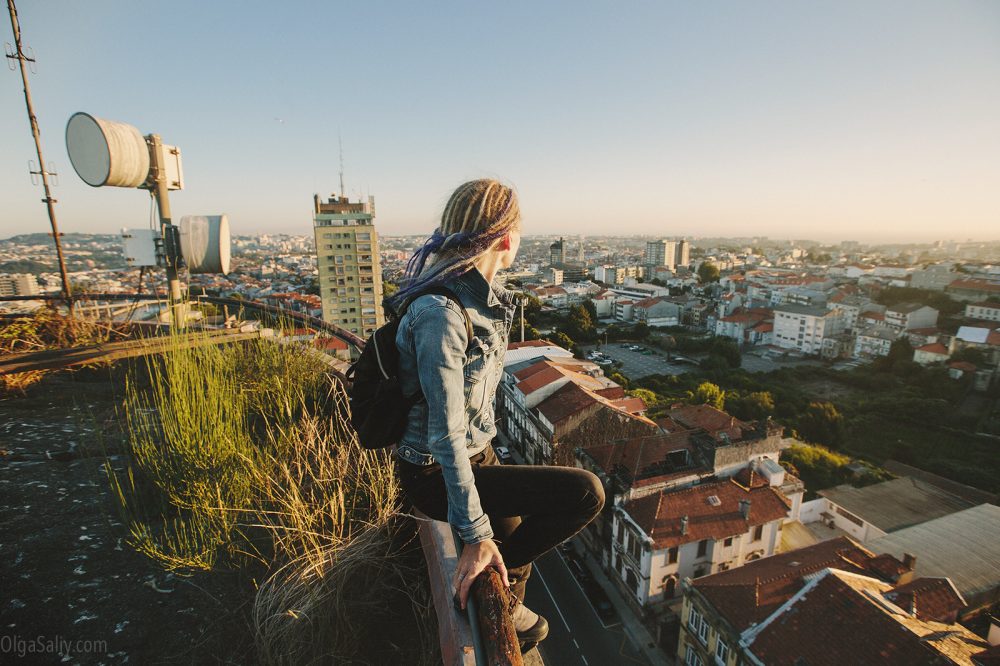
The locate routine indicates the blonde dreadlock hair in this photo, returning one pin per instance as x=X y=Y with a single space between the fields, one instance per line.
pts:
x=477 y=215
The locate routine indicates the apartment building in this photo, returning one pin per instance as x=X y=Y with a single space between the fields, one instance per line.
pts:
x=661 y=253
x=663 y=538
x=18 y=284
x=557 y=253
x=986 y=311
x=906 y=316
x=803 y=328
x=350 y=276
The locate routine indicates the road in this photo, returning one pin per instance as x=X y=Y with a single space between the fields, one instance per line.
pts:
x=576 y=633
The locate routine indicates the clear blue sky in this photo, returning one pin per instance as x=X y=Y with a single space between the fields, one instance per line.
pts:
x=834 y=120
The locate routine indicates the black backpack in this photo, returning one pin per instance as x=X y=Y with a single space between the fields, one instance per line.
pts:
x=378 y=406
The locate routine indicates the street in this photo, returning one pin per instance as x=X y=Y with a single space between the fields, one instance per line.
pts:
x=576 y=633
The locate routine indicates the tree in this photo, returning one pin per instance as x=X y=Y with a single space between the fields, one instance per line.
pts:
x=727 y=349
x=752 y=406
x=645 y=395
x=708 y=272
x=640 y=331
x=591 y=309
x=563 y=340
x=579 y=325
x=710 y=394
x=822 y=424
x=619 y=378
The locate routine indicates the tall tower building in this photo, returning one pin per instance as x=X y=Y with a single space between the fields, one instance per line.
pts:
x=350 y=277
x=683 y=255
x=557 y=253
x=660 y=253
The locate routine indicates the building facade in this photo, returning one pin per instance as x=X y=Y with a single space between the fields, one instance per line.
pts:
x=803 y=327
x=350 y=276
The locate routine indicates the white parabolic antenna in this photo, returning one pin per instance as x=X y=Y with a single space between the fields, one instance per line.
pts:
x=106 y=152
x=205 y=243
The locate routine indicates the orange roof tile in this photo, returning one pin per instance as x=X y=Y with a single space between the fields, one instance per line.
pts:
x=660 y=514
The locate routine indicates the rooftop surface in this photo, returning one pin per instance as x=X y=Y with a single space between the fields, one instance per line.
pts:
x=844 y=618
x=659 y=515
x=964 y=546
x=896 y=504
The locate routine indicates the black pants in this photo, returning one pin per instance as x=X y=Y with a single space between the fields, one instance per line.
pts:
x=532 y=508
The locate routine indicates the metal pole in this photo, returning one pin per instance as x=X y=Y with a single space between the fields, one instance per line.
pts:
x=523 y=299
x=161 y=192
x=36 y=133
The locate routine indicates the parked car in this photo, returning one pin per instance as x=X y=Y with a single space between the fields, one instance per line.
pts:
x=503 y=455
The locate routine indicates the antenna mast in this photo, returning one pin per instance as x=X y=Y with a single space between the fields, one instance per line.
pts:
x=18 y=54
x=340 y=143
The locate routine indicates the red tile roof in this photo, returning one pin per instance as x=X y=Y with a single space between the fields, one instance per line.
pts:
x=659 y=515
x=648 y=302
x=331 y=343
x=646 y=458
x=843 y=618
x=539 y=379
x=934 y=348
x=630 y=405
x=531 y=343
x=710 y=419
x=980 y=285
x=567 y=401
x=964 y=366
x=928 y=598
x=748 y=594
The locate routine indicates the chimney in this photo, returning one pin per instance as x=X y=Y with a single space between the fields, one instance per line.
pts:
x=684 y=525
x=909 y=561
x=745 y=509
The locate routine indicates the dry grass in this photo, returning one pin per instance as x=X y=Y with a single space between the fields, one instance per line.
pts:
x=242 y=457
x=47 y=329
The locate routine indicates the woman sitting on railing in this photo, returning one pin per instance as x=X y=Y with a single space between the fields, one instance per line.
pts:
x=506 y=515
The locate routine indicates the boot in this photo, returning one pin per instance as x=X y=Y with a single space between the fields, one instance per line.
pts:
x=531 y=627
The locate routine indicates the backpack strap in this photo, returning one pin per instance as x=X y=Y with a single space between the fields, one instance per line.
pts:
x=441 y=290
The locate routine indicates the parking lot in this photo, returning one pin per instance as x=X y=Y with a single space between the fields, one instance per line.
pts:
x=637 y=364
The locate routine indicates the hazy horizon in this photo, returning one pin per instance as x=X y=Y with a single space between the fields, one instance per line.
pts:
x=874 y=122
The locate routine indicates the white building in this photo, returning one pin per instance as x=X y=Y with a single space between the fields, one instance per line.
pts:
x=18 y=284
x=803 y=327
x=905 y=316
x=663 y=538
x=983 y=311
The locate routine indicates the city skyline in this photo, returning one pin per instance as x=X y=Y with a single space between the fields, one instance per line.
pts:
x=862 y=122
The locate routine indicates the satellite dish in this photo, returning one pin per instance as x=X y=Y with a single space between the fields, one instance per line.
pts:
x=106 y=152
x=205 y=243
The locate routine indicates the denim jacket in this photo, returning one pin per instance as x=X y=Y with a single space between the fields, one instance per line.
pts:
x=459 y=381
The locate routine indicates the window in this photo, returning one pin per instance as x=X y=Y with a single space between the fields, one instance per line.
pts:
x=698 y=625
x=691 y=657
x=633 y=548
x=621 y=535
x=339 y=259
x=721 y=651
x=728 y=542
x=758 y=533
x=672 y=555
x=702 y=547
x=632 y=580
